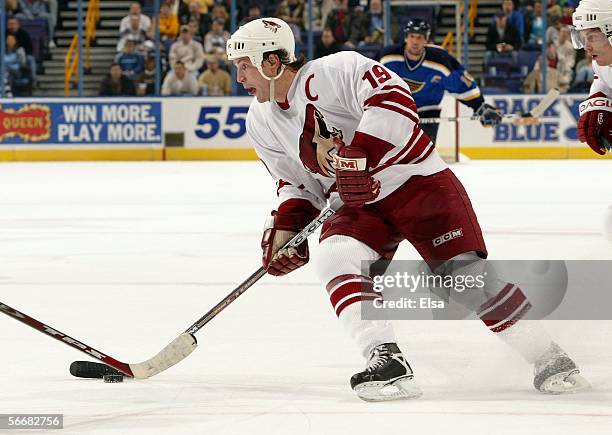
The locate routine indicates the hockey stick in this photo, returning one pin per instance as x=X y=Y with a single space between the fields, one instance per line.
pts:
x=530 y=117
x=180 y=347
x=176 y=351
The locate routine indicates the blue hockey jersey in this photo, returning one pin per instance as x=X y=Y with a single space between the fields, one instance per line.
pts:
x=432 y=75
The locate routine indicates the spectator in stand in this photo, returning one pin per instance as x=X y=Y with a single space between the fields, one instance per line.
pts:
x=131 y=63
x=189 y=52
x=375 y=23
x=11 y=7
x=534 y=24
x=116 y=83
x=215 y=81
x=326 y=45
x=553 y=9
x=215 y=42
x=168 y=24
x=15 y=59
x=204 y=4
x=554 y=29
x=327 y=7
x=502 y=39
x=566 y=54
x=514 y=18
x=178 y=8
x=219 y=11
x=554 y=78
x=134 y=33
x=23 y=37
x=146 y=79
x=126 y=22
x=348 y=25
x=292 y=12
x=37 y=9
x=317 y=16
x=254 y=13
x=24 y=41
x=198 y=22
x=584 y=75
x=179 y=81
x=568 y=11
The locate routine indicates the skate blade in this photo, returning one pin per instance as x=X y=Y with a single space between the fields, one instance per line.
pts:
x=561 y=383
x=400 y=389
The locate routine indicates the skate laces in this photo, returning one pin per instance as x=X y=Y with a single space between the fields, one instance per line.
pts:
x=379 y=357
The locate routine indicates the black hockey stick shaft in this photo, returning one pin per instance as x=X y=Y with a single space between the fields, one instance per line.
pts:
x=256 y=276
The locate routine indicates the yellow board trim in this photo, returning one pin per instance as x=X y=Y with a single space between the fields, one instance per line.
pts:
x=52 y=155
x=531 y=153
x=49 y=155
x=211 y=154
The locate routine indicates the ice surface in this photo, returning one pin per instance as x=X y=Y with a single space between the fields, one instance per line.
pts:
x=125 y=256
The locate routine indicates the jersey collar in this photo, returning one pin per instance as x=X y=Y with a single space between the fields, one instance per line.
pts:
x=418 y=64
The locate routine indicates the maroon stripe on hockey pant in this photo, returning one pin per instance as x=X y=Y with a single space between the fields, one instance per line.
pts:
x=505 y=310
x=348 y=289
x=394 y=96
x=405 y=113
x=512 y=321
x=351 y=301
x=340 y=278
x=376 y=148
x=498 y=297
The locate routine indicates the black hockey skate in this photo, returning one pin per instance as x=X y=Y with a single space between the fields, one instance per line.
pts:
x=387 y=376
x=556 y=373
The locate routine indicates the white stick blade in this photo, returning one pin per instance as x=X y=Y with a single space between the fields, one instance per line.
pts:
x=546 y=102
x=180 y=348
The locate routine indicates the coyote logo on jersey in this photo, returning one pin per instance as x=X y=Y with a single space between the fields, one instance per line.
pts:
x=318 y=143
x=271 y=25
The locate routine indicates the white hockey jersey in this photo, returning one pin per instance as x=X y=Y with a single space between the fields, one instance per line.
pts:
x=342 y=98
x=602 y=81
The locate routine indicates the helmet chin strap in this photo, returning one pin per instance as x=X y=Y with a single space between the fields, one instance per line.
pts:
x=272 y=81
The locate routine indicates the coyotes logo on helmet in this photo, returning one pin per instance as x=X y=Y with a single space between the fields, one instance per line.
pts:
x=318 y=143
x=271 y=25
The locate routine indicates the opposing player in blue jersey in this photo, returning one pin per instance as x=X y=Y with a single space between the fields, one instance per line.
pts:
x=430 y=71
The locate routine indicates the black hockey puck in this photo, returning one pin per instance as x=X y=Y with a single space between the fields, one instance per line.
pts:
x=113 y=379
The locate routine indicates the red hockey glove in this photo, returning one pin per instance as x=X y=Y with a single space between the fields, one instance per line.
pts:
x=595 y=123
x=292 y=216
x=356 y=185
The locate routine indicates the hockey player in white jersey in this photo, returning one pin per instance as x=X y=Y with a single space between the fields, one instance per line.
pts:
x=592 y=31
x=345 y=125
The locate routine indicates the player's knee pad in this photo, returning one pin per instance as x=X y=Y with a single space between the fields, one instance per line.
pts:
x=343 y=255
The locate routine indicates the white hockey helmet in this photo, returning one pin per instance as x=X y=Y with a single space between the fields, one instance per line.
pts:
x=261 y=36
x=591 y=14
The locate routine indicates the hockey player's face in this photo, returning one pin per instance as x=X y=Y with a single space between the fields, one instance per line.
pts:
x=415 y=44
x=597 y=45
x=250 y=78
